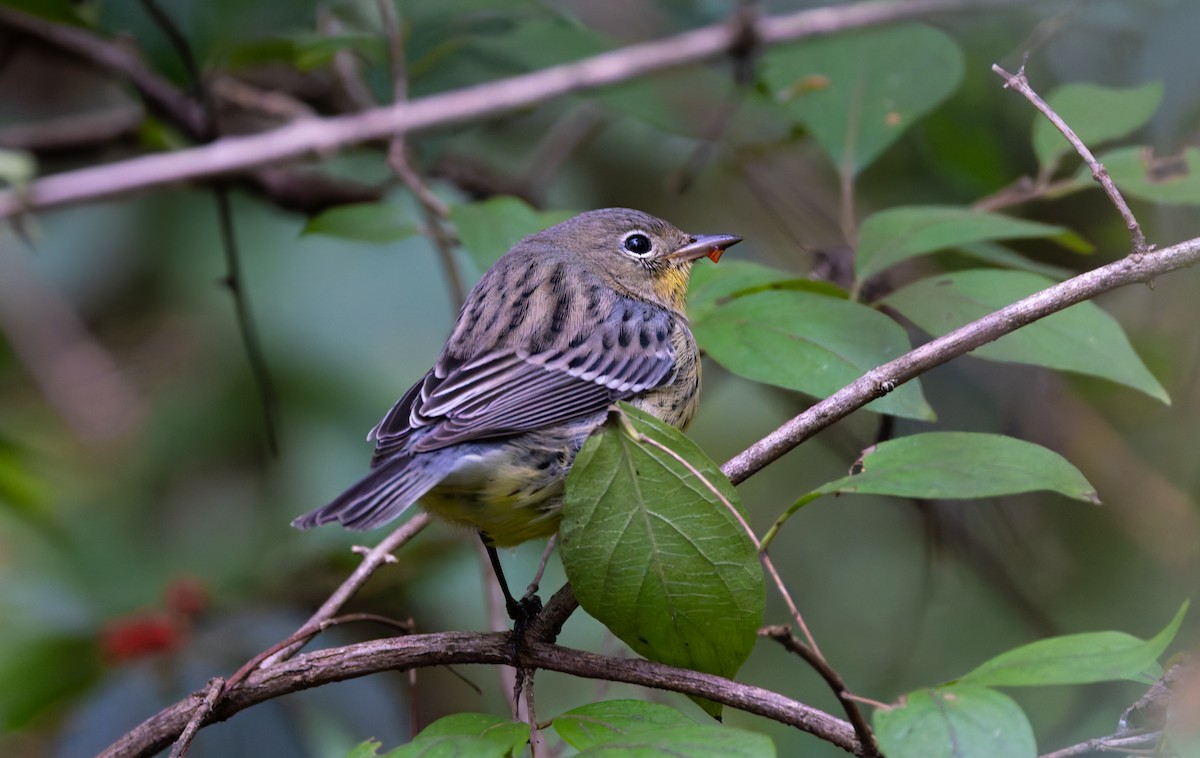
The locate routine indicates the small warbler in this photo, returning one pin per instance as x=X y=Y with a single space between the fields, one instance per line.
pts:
x=567 y=322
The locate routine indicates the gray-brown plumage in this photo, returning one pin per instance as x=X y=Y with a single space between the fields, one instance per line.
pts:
x=567 y=322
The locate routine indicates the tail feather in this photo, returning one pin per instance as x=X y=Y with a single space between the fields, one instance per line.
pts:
x=383 y=494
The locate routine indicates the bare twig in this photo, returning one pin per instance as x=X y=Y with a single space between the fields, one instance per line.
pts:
x=372 y=560
x=791 y=643
x=234 y=154
x=436 y=212
x=1020 y=83
x=881 y=380
x=1128 y=744
x=401 y=653
x=212 y=694
x=74 y=131
x=309 y=192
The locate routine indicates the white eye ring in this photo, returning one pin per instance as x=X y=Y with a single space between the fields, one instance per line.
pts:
x=638 y=244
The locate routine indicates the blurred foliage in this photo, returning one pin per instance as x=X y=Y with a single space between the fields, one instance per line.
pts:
x=144 y=544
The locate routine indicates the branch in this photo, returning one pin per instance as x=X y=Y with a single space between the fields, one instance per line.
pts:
x=881 y=380
x=372 y=559
x=402 y=653
x=783 y=635
x=233 y=154
x=1019 y=83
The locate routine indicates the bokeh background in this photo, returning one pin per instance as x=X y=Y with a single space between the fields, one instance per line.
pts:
x=144 y=538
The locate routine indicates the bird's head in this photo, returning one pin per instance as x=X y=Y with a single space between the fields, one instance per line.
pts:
x=638 y=254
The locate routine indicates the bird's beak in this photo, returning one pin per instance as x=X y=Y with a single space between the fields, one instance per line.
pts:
x=711 y=245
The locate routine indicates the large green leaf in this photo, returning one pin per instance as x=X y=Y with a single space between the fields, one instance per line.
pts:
x=489 y=228
x=1172 y=180
x=1079 y=659
x=954 y=722
x=608 y=720
x=1096 y=113
x=897 y=234
x=688 y=742
x=1082 y=338
x=364 y=222
x=463 y=734
x=999 y=255
x=857 y=92
x=713 y=286
x=808 y=342
x=652 y=552
x=959 y=465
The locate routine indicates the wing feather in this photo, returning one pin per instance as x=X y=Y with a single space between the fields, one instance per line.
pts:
x=515 y=388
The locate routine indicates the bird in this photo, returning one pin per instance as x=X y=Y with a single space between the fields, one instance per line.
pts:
x=569 y=321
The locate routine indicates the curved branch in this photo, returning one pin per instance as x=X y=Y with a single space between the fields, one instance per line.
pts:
x=233 y=154
x=417 y=651
x=1137 y=267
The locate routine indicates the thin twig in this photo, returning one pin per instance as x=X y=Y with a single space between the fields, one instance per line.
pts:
x=436 y=212
x=306 y=633
x=212 y=694
x=783 y=635
x=234 y=282
x=235 y=154
x=1116 y=743
x=372 y=560
x=1020 y=83
x=229 y=245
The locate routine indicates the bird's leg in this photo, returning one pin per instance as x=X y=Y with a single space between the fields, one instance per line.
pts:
x=520 y=611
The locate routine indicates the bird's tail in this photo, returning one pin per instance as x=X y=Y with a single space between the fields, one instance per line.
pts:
x=383 y=494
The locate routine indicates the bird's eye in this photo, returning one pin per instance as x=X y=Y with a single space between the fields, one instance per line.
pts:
x=639 y=244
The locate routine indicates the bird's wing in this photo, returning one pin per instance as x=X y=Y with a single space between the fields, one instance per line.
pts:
x=533 y=382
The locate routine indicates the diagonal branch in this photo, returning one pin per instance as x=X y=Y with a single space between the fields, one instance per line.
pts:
x=233 y=154
x=881 y=380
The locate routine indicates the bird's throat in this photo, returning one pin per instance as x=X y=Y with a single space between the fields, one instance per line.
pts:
x=671 y=284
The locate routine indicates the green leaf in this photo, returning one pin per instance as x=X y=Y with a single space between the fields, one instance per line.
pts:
x=363 y=222
x=46 y=672
x=1082 y=338
x=998 y=255
x=62 y=11
x=1079 y=659
x=510 y=734
x=960 y=465
x=489 y=228
x=857 y=92
x=1174 y=180
x=807 y=342
x=713 y=286
x=463 y=734
x=693 y=741
x=1097 y=114
x=653 y=553
x=608 y=720
x=954 y=722
x=367 y=749
x=454 y=746
x=897 y=234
